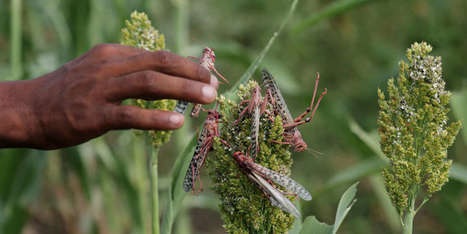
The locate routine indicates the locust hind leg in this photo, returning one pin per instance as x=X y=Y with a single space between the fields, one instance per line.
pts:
x=310 y=108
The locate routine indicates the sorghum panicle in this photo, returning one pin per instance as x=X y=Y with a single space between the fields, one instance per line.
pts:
x=245 y=208
x=414 y=129
x=139 y=33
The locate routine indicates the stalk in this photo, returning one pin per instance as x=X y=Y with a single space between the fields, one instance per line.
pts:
x=154 y=189
x=409 y=217
x=15 y=40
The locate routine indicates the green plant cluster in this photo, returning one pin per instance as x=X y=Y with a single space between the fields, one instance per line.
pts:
x=139 y=33
x=414 y=129
x=244 y=207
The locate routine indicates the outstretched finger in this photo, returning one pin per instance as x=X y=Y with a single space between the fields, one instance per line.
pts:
x=126 y=117
x=152 y=85
x=162 y=61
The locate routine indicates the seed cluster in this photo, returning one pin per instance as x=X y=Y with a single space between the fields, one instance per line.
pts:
x=139 y=33
x=245 y=208
x=414 y=130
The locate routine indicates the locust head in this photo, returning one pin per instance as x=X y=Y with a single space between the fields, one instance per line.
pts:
x=241 y=158
x=208 y=53
x=298 y=142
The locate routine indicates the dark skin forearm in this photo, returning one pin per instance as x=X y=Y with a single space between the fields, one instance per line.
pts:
x=81 y=100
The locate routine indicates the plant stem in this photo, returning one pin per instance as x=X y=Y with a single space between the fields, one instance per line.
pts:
x=409 y=217
x=154 y=189
x=15 y=40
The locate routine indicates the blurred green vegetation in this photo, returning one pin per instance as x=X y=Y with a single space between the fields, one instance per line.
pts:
x=355 y=45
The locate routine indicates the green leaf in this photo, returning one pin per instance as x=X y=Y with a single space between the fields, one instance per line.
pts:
x=297 y=226
x=334 y=9
x=458 y=172
x=312 y=225
x=345 y=204
x=176 y=192
x=369 y=140
x=458 y=103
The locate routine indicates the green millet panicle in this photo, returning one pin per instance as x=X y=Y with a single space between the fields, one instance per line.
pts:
x=245 y=208
x=139 y=33
x=414 y=129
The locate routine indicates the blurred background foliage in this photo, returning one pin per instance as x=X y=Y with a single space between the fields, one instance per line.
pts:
x=355 y=45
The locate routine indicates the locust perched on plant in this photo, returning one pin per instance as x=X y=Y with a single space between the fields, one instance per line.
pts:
x=203 y=147
x=256 y=106
x=261 y=175
x=292 y=135
x=207 y=61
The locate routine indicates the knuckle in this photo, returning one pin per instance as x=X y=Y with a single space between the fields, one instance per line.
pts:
x=148 y=80
x=124 y=116
x=104 y=50
x=164 y=58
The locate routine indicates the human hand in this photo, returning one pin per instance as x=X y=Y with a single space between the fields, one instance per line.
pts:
x=81 y=100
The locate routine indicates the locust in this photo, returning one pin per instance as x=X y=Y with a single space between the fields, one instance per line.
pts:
x=204 y=144
x=262 y=177
x=292 y=135
x=207 y=60
x=256 y=107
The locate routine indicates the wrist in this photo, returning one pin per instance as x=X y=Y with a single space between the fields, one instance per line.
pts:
x=18 y=125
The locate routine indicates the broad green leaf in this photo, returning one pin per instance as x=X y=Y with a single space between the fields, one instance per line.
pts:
x=345 y=204
x=458 y=103
x=297 y=226
x=312 y=225
x=334 y=9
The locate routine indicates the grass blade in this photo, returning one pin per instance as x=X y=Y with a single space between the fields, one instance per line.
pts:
x=369 y=140
x=252 y=68
x=176 y=193
x=334 y=9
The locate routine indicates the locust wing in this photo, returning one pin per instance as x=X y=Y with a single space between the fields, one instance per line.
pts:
x=282 y=180
x=275 y=196
x=196 y=162
x=280 y=104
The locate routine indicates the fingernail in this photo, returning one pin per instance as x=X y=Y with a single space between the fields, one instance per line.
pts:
x=208 y=92
x=176 y=119
x=214 y=82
